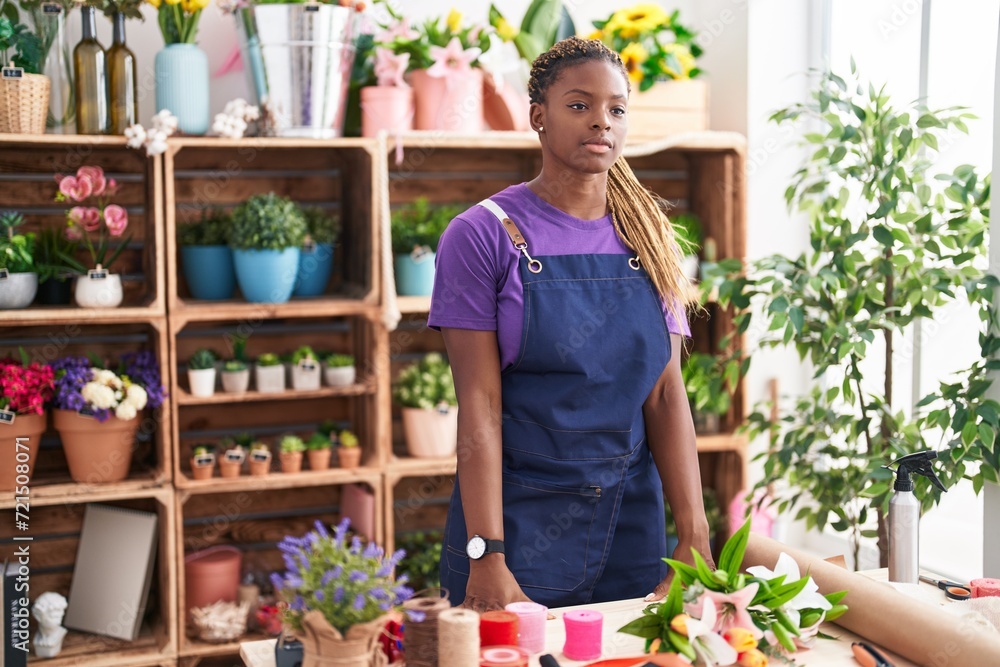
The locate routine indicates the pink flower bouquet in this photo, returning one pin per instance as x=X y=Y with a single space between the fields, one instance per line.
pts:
x=93 y=221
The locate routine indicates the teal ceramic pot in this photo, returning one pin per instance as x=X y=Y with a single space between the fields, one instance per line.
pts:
x=414 y=278
x=266 y=276
x=315 y=267
x=182 y=86
x=209 y=271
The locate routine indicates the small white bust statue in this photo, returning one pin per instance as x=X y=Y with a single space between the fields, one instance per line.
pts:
x=48 y=611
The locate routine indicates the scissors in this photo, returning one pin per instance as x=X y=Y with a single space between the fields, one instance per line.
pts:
x=952 y=589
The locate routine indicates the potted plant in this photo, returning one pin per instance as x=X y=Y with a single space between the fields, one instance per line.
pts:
x=709 y=389
x=316 y=256
x=260 y=459
x=270 y=374
x=206 y=258
x=55 y=284
x=305 y=369
x=422 y=566
x=201 y=373
x=426 y=392
x=385 y=98
x=235 y=371
x=18 y=279
x=231 y=461
x=24 y=99
x=25 y=390
x=97 y=412
x=203 y=461
x=416 y=229
x=266 y=237
x=660 y=54
x=339 y=370
x=318 y=451
x=291 y=448
x=687 y=229
x=341 y=612
x=904 y=244
x=349 y=451
x=93 y=216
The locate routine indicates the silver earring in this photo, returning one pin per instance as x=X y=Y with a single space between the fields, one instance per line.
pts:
x=541 y=129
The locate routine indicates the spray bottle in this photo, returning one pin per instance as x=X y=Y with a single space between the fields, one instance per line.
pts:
x=904 y=517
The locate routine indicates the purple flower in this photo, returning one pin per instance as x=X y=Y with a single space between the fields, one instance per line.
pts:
x=385 y=569
x=290 y=563
x=320 y=595
x=372 y=551
x=355 y=545
x=321 y=529
x=359 y=602
x=143 y=369
x=402 y=593
x=358 y=577
x=397 y=556
x=340 y=532
x=415 y=615
x=378 y=594
x=385 y=606
x=338 y=595
x=331 y=575
x=304 y=559
x=293 y=580
x=277 y=581
x=72 y=373
x=298 y=604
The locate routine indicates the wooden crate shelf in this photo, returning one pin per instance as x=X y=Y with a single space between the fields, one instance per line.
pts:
x=221 y=398
x=190 y=310
x=276 y=480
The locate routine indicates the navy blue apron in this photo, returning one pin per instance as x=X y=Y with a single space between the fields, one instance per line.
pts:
x=582 y=499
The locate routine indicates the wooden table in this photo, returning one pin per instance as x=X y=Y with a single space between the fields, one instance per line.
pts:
x=827 y=653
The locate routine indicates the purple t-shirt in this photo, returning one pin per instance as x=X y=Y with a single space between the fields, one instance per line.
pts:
x=477 y=284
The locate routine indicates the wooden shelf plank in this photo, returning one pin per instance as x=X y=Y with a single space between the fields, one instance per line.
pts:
x=413 y=304
x=206 y=311
x=195 y=648
x=223 y=398
x=399 y=467
x=722 y=442
x=63 y=139
x=72 y=314
x=279 y=480
x=80 y=648
x=73 y=492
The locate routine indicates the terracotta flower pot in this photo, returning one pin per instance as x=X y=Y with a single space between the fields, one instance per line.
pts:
x=26 y=430
x=229 y=469
x=452 y=104
x=291 y=462
x=212 y=575
x=96 y=452
x=430 y=433
x=387 y=108
x=319 y=459
x=350 y=457
x=259 y=468
x=203 y=471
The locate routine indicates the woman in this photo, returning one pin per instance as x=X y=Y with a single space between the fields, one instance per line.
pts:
x=557 y=302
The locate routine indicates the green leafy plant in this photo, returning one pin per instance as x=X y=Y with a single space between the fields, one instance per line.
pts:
x=234 y=366
x=203 y=449
x=291 y=444
x=202 y=359
x=238 y=441
x=17 y=251
x=19 y=44
x=710 y=382
x=268 y=359
x=687 y=231
x=51 y=247
x=761 y=601
x=337 y=360
x=321 y=226
x=303 y=353
x=891 y=243
x=426 y=384
x=348 y=439
x=212 y=229
x=267 y=222
x=318 y=441
x=423 y=562
x=329 y=428
x=419 y=225
x=545 y=22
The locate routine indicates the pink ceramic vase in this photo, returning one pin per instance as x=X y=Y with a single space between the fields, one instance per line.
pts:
x=388 y=108
x=451 y=103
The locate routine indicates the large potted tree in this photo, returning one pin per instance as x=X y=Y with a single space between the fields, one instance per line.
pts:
x=266 y=238
x=891 y=244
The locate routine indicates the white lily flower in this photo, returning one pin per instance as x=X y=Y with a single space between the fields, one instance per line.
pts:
x=809 y=598
x=711 y=648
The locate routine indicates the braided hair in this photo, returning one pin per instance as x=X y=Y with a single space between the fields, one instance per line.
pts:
x=639 y=215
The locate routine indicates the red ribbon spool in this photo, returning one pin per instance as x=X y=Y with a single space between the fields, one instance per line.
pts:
x=498 y=628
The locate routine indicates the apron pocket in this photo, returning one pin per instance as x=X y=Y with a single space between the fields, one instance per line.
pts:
x=549 y=533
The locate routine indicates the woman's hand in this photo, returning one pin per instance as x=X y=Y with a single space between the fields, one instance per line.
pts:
x=491 y=585
x=684 y=555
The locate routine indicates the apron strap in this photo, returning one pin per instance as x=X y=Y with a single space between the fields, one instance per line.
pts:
x=513 y=232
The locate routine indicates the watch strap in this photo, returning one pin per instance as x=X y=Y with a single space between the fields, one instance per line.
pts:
x=494 y=546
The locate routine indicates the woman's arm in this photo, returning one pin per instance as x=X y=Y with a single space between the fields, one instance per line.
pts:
x=475 y=364
x=670 y=431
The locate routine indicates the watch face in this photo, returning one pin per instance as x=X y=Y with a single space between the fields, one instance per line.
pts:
x=476 y=547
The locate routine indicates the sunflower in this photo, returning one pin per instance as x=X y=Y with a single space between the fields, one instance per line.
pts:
x=683 y=58
x=634 y=21
x=634 y=55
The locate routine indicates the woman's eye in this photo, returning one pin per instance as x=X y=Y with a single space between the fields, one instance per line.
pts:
x=578 y=106
x=618 y=111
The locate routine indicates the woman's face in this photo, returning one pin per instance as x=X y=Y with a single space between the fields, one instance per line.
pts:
x=583 y=116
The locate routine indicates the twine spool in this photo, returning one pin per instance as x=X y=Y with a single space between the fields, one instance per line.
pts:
x=420 y=638
x=498 y=628
x=531 y=625
x=583 y=634
x=458 y=633
x=503 y=656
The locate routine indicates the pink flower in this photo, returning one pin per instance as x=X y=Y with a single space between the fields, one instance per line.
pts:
x=390 y=68
x=75 y=188
x=112 y=187
x=452 y=59
x=96 y=177
x=712 y=650
x=87 y=217
x=400 y=30
x=732 y=609
x=73 y=233
x=116 y=218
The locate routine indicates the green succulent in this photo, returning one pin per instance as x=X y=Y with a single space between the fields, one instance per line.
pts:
x=348 y=439
x=322 y=227
x=337 y=360
x=304 y=352
x=420 y=224
x=291 y=444
x=201 y=360
x=212 y=229
x=318 y=441
x=268 y=359
x=267 y=222
x=203 y=448
x=234 y=366
x=426 y=384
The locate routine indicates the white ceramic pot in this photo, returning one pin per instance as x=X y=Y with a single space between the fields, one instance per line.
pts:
x=339 y=376
x=690 y=265
x=306 y=378
x=18 y=290
x=236 y=382
x=270 y=379
x=430 y=433
x=201 y=382
x=99 y=293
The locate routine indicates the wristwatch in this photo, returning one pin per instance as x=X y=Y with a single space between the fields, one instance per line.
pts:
x=478 y=546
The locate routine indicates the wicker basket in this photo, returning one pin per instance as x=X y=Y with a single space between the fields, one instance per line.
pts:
x=24 y=104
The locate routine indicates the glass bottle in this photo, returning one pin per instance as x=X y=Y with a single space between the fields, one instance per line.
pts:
x=122 y=80
x=57 y=64
x=91 y=71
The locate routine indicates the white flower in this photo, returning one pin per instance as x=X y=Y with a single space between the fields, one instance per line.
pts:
x=235 y=107
x=136 y=136
x=126 y=411
x=137 y=396
x=165 y=122
x=251 y=113
x=711 y=648
x=98 y=395
x=157 y=142
x=809 y=598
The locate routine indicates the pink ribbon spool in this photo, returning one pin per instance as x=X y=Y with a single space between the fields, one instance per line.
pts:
x=531 y=625
x=583 y=634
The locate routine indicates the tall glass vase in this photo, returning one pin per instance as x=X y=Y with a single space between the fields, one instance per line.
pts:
x=57 y=64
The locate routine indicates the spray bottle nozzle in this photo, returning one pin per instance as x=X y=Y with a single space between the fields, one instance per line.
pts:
x=918 y=463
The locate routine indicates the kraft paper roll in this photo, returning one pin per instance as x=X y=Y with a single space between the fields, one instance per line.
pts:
x=920 y=632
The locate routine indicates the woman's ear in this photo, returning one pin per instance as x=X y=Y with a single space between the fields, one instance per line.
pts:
x=536 y=116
